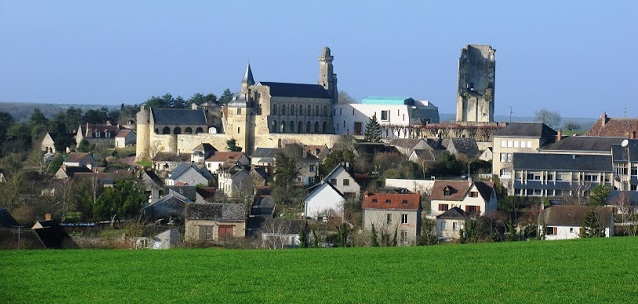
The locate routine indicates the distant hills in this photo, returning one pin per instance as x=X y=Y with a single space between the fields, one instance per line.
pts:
x=21 y=111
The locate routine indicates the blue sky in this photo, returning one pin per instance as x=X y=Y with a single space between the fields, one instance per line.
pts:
x=574 y=57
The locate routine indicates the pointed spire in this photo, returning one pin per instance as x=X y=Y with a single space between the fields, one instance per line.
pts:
x=248 y=76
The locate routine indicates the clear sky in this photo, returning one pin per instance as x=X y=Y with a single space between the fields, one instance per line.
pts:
x=575 y=57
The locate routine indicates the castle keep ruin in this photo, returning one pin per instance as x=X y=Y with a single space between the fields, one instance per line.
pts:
x=475 y=91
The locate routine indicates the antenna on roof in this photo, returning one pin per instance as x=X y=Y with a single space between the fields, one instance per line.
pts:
x=511 y=114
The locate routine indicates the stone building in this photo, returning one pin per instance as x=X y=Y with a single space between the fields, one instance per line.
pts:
x=475 y=92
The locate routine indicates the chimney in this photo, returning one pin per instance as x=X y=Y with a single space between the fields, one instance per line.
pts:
x=633 y=135
x=559 y=136
x=604 y=119
x=365 y=194
x=193 y=106
x=108 y=122
x=88 y=131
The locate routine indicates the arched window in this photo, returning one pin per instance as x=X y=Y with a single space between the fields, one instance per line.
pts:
x=166 y=130
x=282 y=127
x=292 y=127
x=316 y=127
x=188 y=130
x=274 y=109
x=308 y=110
x=325 y=110
x=300 y=110
x=300 y=127
x=199 y=130
x=325 y=127
x=317 y=110
x=283 y=109
x=177 y=130
x=273 y=127
x=308 y=130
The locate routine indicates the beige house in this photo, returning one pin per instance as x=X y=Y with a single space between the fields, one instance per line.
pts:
x=475 y=198
x=103 y=135
x=517 y=138
x=48 y=142
x=214 y=222
x=77 y=159
x=450 y=223
x=393 y=211
x=344 y=182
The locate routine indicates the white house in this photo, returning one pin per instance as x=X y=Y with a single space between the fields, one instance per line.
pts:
x=475 y=198
x=233 y=182
x=566 y=221
x=188 y=174
x=415 y=185
x=323 y=202
x=350 y=119
x=125 y=138
x=343 y=181
x=220 y=159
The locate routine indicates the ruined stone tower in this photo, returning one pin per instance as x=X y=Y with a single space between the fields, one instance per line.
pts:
x=475 y=92
x=327 y=78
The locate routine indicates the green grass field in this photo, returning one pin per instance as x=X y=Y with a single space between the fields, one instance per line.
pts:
x=579 y=271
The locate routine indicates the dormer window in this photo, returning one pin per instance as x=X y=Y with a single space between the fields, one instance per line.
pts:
x=374 y=200
x=447 y=191
x=96 y=132
x=387 y=201
x=404 y=202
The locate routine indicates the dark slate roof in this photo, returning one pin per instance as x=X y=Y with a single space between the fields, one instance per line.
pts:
x=618 y=198
x=265 y=152
x=584 y=143
x=6 y=220
x=465 y=146
x=53 y=235
x=282 y=89
x=620 y=153
x=574 y=215
x=485 y=189
x=165 y=116
x=562 y=162
x=526 y=129
x=216 y=212
x=168 y=205
x=190 y=192
x=454 y=213
x=181 y=169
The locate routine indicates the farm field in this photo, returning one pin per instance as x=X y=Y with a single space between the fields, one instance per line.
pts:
x=578 y=271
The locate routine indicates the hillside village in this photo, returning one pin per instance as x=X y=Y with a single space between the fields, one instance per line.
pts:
x=287 y=165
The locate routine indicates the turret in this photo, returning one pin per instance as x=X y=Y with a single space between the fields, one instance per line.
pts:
x=327 y=78
x=143 y=134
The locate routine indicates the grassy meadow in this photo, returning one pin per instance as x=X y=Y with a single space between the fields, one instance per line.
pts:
x=578 y=271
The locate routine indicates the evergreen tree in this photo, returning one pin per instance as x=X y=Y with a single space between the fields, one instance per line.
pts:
x=226 y=97
x=373 y=130
x=373 y=238
x=232 y=145
x=591 y=225
x=303 y=236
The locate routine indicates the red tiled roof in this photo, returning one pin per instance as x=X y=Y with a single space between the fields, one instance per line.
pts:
x=400 y=201
x=224 y=156
x=614 y=127
x=123 y=133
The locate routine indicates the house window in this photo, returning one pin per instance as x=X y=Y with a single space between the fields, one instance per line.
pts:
x=443 y=207
x=404 y=218
x=516 y=144
x=503 y=157
x=238 y=111
x=447 y=191
x=384 y=115
x=346 y=182
x=333 y=181
x=550 y=231
x=387 y=201
x=503 y=143
x=374 y=200
x=442 y=226
x=404 y=236
x=473 y=194
x=510 y=143
x=312 y=168
x=206 y=232
x=388 y=218
x=404 y=202
x=473 y=209
x=529 y=144
x=455 y=226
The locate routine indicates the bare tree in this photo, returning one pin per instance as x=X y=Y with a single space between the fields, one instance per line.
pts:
x=627 y=211
x=550 y=118
x=345 y=98
x=155 y=147
x=276 y=234
x=571 y=126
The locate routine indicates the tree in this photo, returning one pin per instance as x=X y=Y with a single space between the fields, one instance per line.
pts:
x=374 y=239
x=73 y=118
x=303 y=236
x=373 y=130
x=85 y=146
x=591 y=225
x=123 y=200
x=345 y=98
x=599 y=194
x=571 y=126
x=550 y=118
x=231 y=145
x=39 y=123
x=6 y=121
x=428 y=233
x=284 y=187
x=226 y=97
